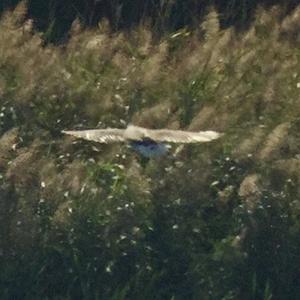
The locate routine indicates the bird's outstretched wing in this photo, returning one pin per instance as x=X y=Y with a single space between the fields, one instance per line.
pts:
x=109 y=135
x=180 y=136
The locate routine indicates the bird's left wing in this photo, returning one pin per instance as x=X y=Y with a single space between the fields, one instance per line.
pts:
x=109 y=135
x=180 y=136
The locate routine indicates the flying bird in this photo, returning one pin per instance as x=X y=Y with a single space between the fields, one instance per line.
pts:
x=148 y=142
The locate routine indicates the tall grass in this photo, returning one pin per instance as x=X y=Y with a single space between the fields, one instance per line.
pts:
x=54 y=17
x=88 y=221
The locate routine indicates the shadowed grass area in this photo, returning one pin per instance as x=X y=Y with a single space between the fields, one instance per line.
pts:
x=54 y=18
x=81 y=220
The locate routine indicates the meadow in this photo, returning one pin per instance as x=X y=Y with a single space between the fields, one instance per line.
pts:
x=81 y=220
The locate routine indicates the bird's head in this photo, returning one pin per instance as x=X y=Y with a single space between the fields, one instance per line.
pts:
x=134 y=133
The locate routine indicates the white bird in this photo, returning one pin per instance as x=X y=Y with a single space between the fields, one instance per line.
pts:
x=148 y=142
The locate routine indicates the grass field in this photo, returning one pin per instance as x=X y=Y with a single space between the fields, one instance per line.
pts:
x=86 y=221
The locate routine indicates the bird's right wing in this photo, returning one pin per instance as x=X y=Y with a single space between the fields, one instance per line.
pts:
x=180 y=136
x=109 y=135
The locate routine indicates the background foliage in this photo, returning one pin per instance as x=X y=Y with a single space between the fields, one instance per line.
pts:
x=54 y=17
x=86 y=221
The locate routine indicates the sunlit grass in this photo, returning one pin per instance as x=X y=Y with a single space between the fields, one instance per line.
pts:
x=86 y=221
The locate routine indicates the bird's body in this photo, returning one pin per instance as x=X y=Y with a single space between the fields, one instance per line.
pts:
x=149 y=148
x=148 y=142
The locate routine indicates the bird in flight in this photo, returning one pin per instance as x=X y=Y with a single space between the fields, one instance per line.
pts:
x=148 y=142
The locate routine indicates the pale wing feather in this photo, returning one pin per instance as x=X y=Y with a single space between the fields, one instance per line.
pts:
x=180 y=136
x=109 y=135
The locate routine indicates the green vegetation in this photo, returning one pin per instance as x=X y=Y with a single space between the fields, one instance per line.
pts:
x=86 y=221
x=55 y=17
